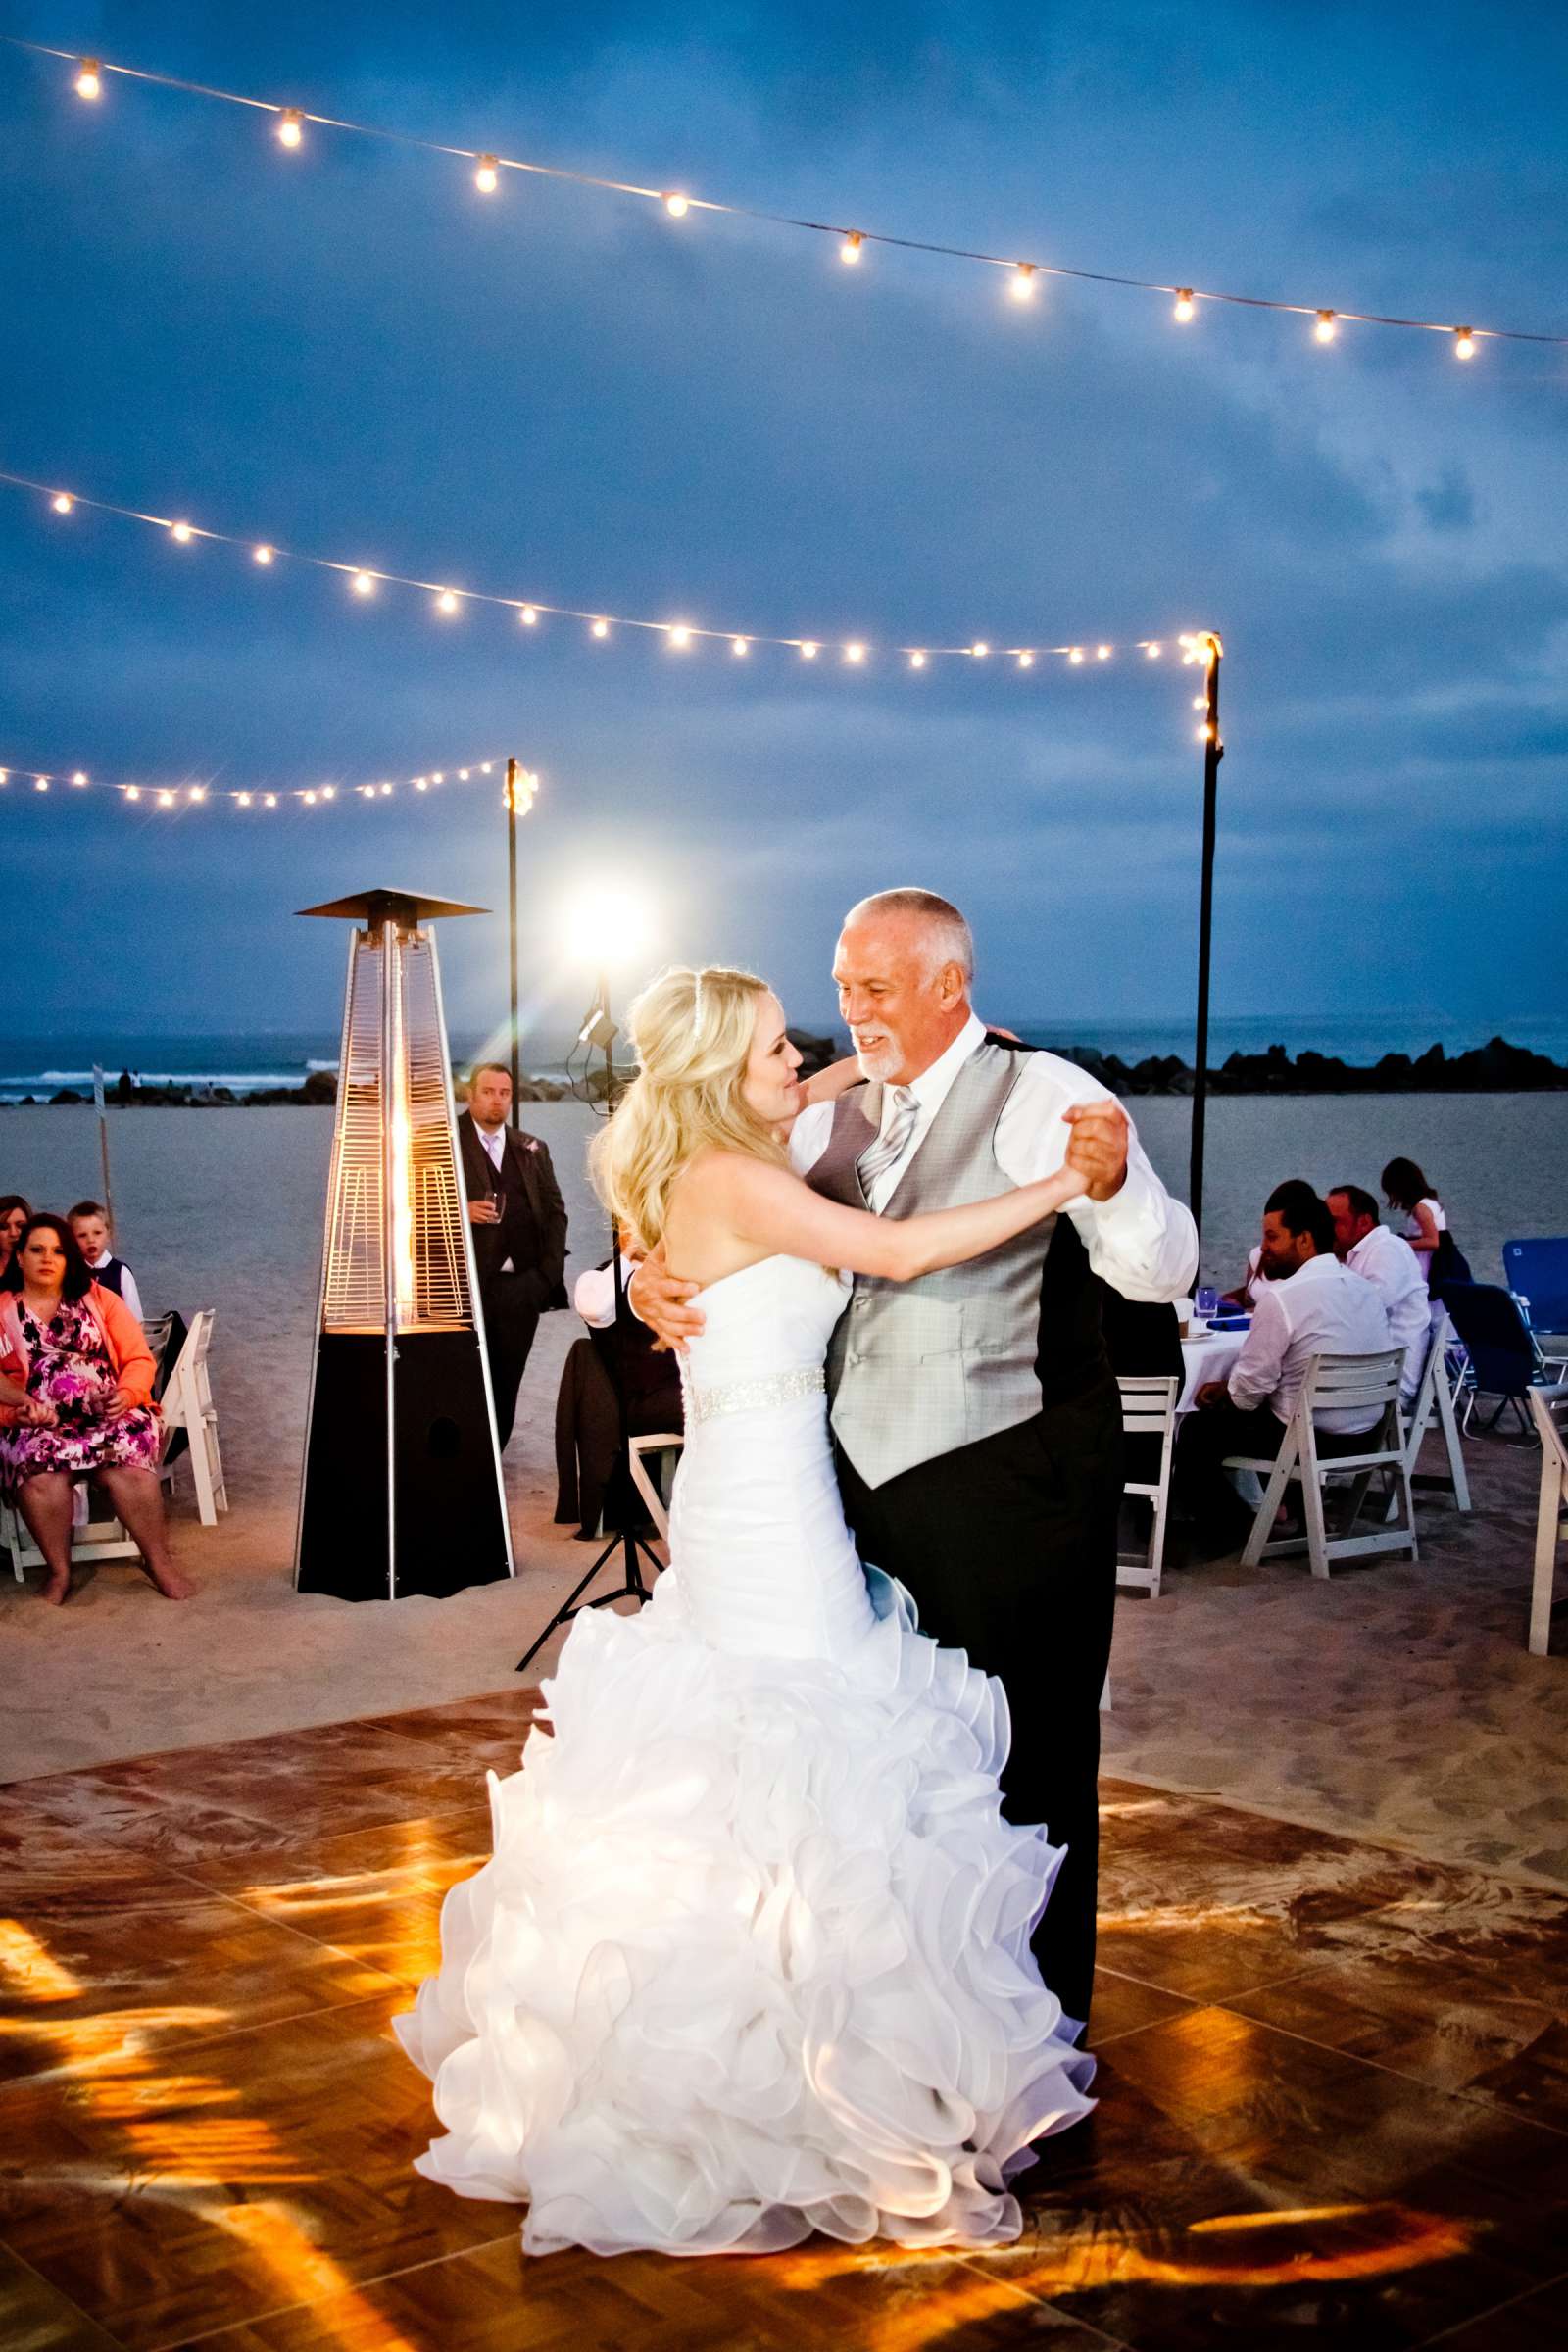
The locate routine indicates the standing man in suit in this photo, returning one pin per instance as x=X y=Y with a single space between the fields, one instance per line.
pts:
x=520 y=1232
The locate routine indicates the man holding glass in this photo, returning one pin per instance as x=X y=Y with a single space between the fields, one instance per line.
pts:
x=520 y=1232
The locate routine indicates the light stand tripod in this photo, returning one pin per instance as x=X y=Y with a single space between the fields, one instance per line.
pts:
x=599 y=1031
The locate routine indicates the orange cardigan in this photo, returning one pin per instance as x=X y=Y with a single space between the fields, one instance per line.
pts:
x=124 y=1337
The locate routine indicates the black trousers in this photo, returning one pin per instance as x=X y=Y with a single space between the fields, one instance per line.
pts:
x=510 y=1324
x=1200 y=1485
x=1009 y=1550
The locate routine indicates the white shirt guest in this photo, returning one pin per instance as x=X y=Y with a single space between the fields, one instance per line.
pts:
x=594 y=1293
x=1140 y=1240
x=1321 y=1309
x=1395 y=1273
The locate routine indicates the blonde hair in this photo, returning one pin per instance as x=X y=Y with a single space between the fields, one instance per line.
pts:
x=693 y=1033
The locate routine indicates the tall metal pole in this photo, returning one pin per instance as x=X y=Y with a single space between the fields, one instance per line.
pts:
x=1213 y=753
x=515 y=1055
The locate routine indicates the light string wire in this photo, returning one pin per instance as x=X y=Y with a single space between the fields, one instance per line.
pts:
x=291 y=121
x=264 y=796
x=681 y=635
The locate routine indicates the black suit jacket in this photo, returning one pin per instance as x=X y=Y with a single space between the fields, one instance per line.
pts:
x=535 y=1242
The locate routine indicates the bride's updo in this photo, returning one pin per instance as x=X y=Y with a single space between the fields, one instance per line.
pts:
x=693 y=1037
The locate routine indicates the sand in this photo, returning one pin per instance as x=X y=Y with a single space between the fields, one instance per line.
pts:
x=1396 y=1702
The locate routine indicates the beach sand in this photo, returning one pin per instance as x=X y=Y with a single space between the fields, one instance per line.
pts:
x=1393 y=1701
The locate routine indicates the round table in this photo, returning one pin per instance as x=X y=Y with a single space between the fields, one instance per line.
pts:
x=1209 y=1356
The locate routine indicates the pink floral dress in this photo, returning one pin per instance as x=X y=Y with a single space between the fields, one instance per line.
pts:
x=72 y=1369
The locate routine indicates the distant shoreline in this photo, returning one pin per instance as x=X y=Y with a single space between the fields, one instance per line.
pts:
x=1496 y=1067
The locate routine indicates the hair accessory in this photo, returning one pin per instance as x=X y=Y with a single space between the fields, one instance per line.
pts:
x=698 y=1011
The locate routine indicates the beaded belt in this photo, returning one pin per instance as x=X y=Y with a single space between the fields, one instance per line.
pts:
x=754 y=1395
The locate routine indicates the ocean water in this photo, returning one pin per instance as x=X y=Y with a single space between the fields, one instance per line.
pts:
x=40 y=1066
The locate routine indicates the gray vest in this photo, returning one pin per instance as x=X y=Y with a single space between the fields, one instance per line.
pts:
x=918 y=1368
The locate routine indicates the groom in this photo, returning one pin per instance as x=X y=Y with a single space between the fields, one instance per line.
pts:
x=976 y=1419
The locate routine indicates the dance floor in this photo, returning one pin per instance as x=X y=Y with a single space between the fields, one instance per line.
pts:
x=1334 y=2088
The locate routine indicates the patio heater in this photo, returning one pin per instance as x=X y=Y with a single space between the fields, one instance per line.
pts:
x=401 y=1491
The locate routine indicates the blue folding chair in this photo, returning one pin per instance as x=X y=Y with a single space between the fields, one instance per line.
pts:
x=1504 y=1358
x=1536 y=1273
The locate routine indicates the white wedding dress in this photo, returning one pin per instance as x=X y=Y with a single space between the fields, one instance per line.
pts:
x=752 y=1957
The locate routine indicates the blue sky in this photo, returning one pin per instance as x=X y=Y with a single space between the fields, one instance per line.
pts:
x=569 y=395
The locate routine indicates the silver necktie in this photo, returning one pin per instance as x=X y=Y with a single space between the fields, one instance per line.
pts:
x=877 y=1157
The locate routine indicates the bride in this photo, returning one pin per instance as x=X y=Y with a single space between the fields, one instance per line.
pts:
x=752 y=1956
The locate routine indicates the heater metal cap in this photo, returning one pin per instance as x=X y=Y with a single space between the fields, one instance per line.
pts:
x=407 y=909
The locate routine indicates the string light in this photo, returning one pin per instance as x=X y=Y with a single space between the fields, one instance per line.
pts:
x=1076 y=653
x=529 y=618
x=680 y=636
x=268 y=800
x=1464 y=343
x=487 y=178
x=1102 y=653
x=262 y=555
x=165 y=800
x=242 y=800
x=1026 y=660
x=809 y=648
x=855 y=651
x=62 y=502
x=446 y=601
x=740 y=645
x=180 y=531
x=979 y=650
x=80 y=777
x=917 y=659
x=600 y=629
x=89 y=73
x=133 y=793
x=363 y=583
x=40 y=784
x=169 y=796
x=1327 y=326
x=1154 y=649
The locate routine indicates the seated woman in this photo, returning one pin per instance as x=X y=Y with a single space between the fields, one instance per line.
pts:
x=76 y=1403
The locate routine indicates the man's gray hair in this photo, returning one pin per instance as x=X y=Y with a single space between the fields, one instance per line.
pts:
x=950 y=939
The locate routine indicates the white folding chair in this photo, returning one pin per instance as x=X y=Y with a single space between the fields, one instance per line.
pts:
x=1360 y=1384
x=188 y=1405
x=1548 y=1407
x=1148 y=1410
x=98 y=1537
x=666 y=1442
x=1435 y=1397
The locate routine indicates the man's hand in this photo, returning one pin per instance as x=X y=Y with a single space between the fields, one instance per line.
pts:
x=483 y=1212
x=1212 y=1393
x=658 y=1298
x=1097 y=1147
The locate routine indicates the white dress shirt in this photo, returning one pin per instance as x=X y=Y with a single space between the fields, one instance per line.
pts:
x=1321 y=1309
x=127 y=1284
x=494 y=1140
x=594 y=1293
x=1143 y=1243
x=1397 y=1274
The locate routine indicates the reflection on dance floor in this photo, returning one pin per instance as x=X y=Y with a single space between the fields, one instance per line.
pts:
x=1334 y=2078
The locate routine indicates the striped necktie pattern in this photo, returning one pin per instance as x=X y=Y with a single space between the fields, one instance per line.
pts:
x=878 y=1157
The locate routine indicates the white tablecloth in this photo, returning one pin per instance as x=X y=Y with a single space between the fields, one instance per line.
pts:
x=1209 y=1357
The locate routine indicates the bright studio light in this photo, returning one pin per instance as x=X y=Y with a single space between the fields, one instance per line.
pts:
x=1022 y=284
x=62 y=502
x=607 y=927
x=89 y=78
x=290 y=126
x=675 y=204
x=1464 y=343
x=1185 y=305
x=487 y=177
x=1327 y=326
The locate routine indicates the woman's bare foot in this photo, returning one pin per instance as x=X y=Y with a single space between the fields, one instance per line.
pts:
x=57 y=1588
x=170 y=1584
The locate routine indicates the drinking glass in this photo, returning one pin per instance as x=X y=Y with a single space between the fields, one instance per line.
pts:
x=1206 y=1303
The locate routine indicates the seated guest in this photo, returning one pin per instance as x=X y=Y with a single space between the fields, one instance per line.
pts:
x=587 y=1421
x=14 y=1214
x=89 y=1222
x=1367 y=1247
x=76 y=1403
x=520 y=1232
x=1308 y=1305
x=1245 y=1295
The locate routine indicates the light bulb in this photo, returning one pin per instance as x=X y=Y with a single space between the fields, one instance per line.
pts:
x=1026 y=660
x=5 y=775
x=485 y=767
x=446 y=601
x=268 y=800
x=917 y=661
x=487 y=177
x=165 y=800
x=179 y=531
x=850 y=250
x=385 y=790
x=243 y=799
x=979 y=648
x=1203 y=734
x=62 y=502
x=198 y=792
x=462 y=777
x=1153 y=652
x=133 y=791
x=600 y=629
x=1022 y=284
x=855 y=651
x=1464 y=343
x=1199 y=702
x=1185 y=305
x=675 y=204
x=420 y=784
x=809 y=648
x=740 y=645
x=1102 y=653
x=681 y=635
x=363 y=583
x=1075 y=653
x=290 y=126
x=309 y=798
x=262 y=555
x=530 y=618
x=40 y=784
x=80 y=777
x=89 y=78
x=329 y=792
x=437 y=775
x=1327 y=326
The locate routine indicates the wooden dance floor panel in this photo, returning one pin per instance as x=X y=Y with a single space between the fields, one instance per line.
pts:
x=1334 y=2086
